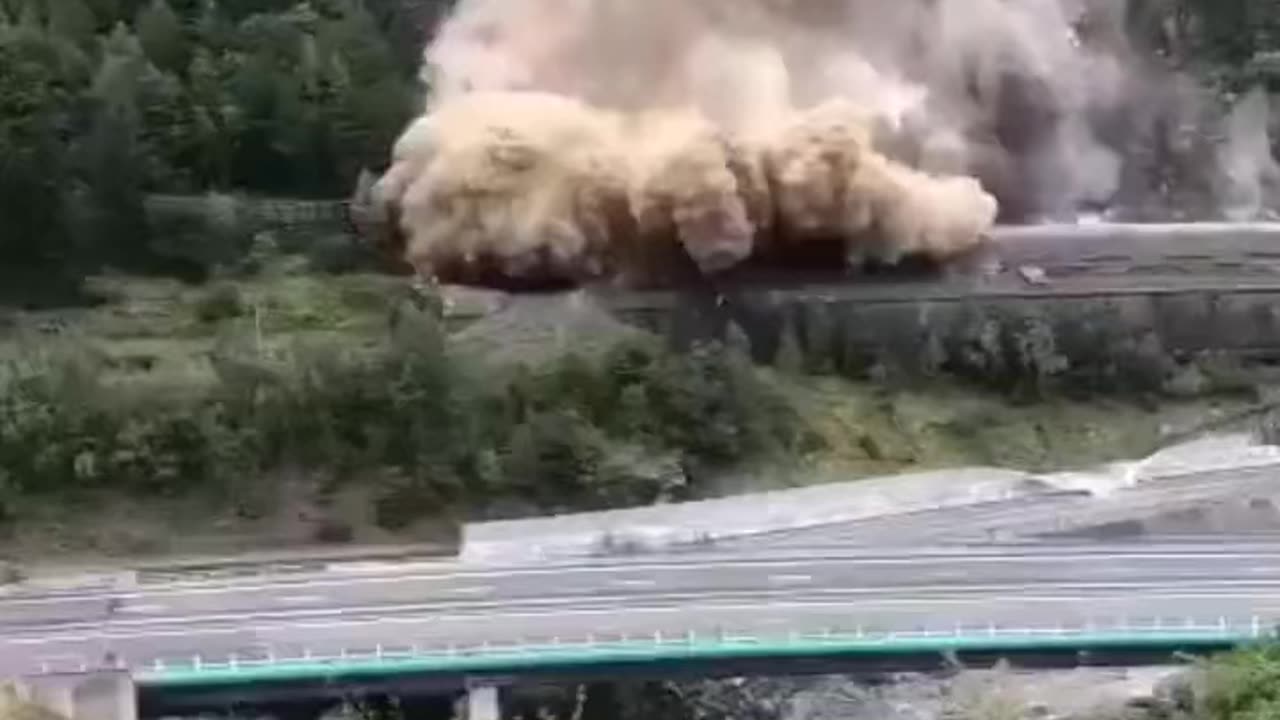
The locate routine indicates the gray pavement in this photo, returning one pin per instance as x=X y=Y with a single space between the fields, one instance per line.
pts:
x=833 y=576
x=1096 y=501
x=747 y=593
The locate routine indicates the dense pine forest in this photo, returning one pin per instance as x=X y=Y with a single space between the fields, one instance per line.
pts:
x=105 y=101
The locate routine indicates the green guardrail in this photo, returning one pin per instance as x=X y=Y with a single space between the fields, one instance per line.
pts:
x=544 y=657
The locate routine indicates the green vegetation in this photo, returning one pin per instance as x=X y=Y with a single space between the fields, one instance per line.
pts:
x=1244 y=685
x=132 y=130
x=427 y=435
x=295 y=408
x=102 y=101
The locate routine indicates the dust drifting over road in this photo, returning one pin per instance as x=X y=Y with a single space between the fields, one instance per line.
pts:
x=571 y=140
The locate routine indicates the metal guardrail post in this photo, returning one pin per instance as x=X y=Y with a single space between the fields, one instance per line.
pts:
x=1257 y=626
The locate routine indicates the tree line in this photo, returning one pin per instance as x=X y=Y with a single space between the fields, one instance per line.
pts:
x=102 y=101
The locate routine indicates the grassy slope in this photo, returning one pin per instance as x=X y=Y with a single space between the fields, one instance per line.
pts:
x=158 y=336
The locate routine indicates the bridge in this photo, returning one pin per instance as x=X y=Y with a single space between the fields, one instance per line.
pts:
x=444 y=627
x=862 y=590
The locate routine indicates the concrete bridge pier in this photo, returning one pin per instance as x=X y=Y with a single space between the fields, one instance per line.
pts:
x=482 y=703
x=99 y=695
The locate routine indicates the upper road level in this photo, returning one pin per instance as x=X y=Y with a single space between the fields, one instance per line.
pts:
x=932 y=595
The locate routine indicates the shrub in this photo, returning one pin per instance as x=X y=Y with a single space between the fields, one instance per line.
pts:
x=1243 y=685
x=577 y=434
x=222 y=301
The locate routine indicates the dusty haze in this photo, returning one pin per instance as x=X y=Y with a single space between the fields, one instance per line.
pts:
x=572 y=139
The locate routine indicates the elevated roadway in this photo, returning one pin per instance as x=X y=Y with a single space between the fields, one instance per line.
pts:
x=754 y=594
x=1038 y=515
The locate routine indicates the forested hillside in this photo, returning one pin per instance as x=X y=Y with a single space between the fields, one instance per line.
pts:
x=102 y=101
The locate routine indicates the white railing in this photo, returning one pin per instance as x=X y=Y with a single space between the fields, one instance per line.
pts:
x=1182 y=628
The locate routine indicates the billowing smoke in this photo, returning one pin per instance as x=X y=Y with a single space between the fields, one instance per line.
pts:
x=565 y=140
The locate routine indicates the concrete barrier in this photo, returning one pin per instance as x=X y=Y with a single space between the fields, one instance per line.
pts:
x=701 y=522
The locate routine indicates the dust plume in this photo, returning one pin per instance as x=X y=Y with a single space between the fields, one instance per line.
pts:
x=565 y=140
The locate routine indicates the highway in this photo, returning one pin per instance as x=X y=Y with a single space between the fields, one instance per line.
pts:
x=929 y=570
x=1035 y=515
x=785 y=590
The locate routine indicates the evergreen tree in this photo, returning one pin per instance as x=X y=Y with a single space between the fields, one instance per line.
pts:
x=110 y=156
x=163 y=37
x=31 y=15
x=73 y=20
x=105 y=12
x=40 y=80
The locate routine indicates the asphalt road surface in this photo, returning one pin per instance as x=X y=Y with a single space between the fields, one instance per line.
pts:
x=1034 y=515
x=743 y=592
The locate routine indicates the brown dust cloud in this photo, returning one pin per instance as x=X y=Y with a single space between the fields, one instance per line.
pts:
x=574 y=141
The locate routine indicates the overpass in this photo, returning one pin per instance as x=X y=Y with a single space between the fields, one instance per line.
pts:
x=444 y=626
x=199 y=684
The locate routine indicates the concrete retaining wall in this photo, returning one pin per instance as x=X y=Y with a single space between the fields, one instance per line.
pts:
x=693 y=523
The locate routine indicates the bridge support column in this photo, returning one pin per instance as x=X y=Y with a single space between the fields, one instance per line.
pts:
x=482 y=703
x=102 y=695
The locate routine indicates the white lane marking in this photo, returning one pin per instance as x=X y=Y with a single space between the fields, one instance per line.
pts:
x=143 y=609
x=481 y=590
x=361 y=567
x=301 y=599
x=634 y=582
x=945 y=574
x=436 y=619
x=699 y=567
x=620 y=603
x=790 y=579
